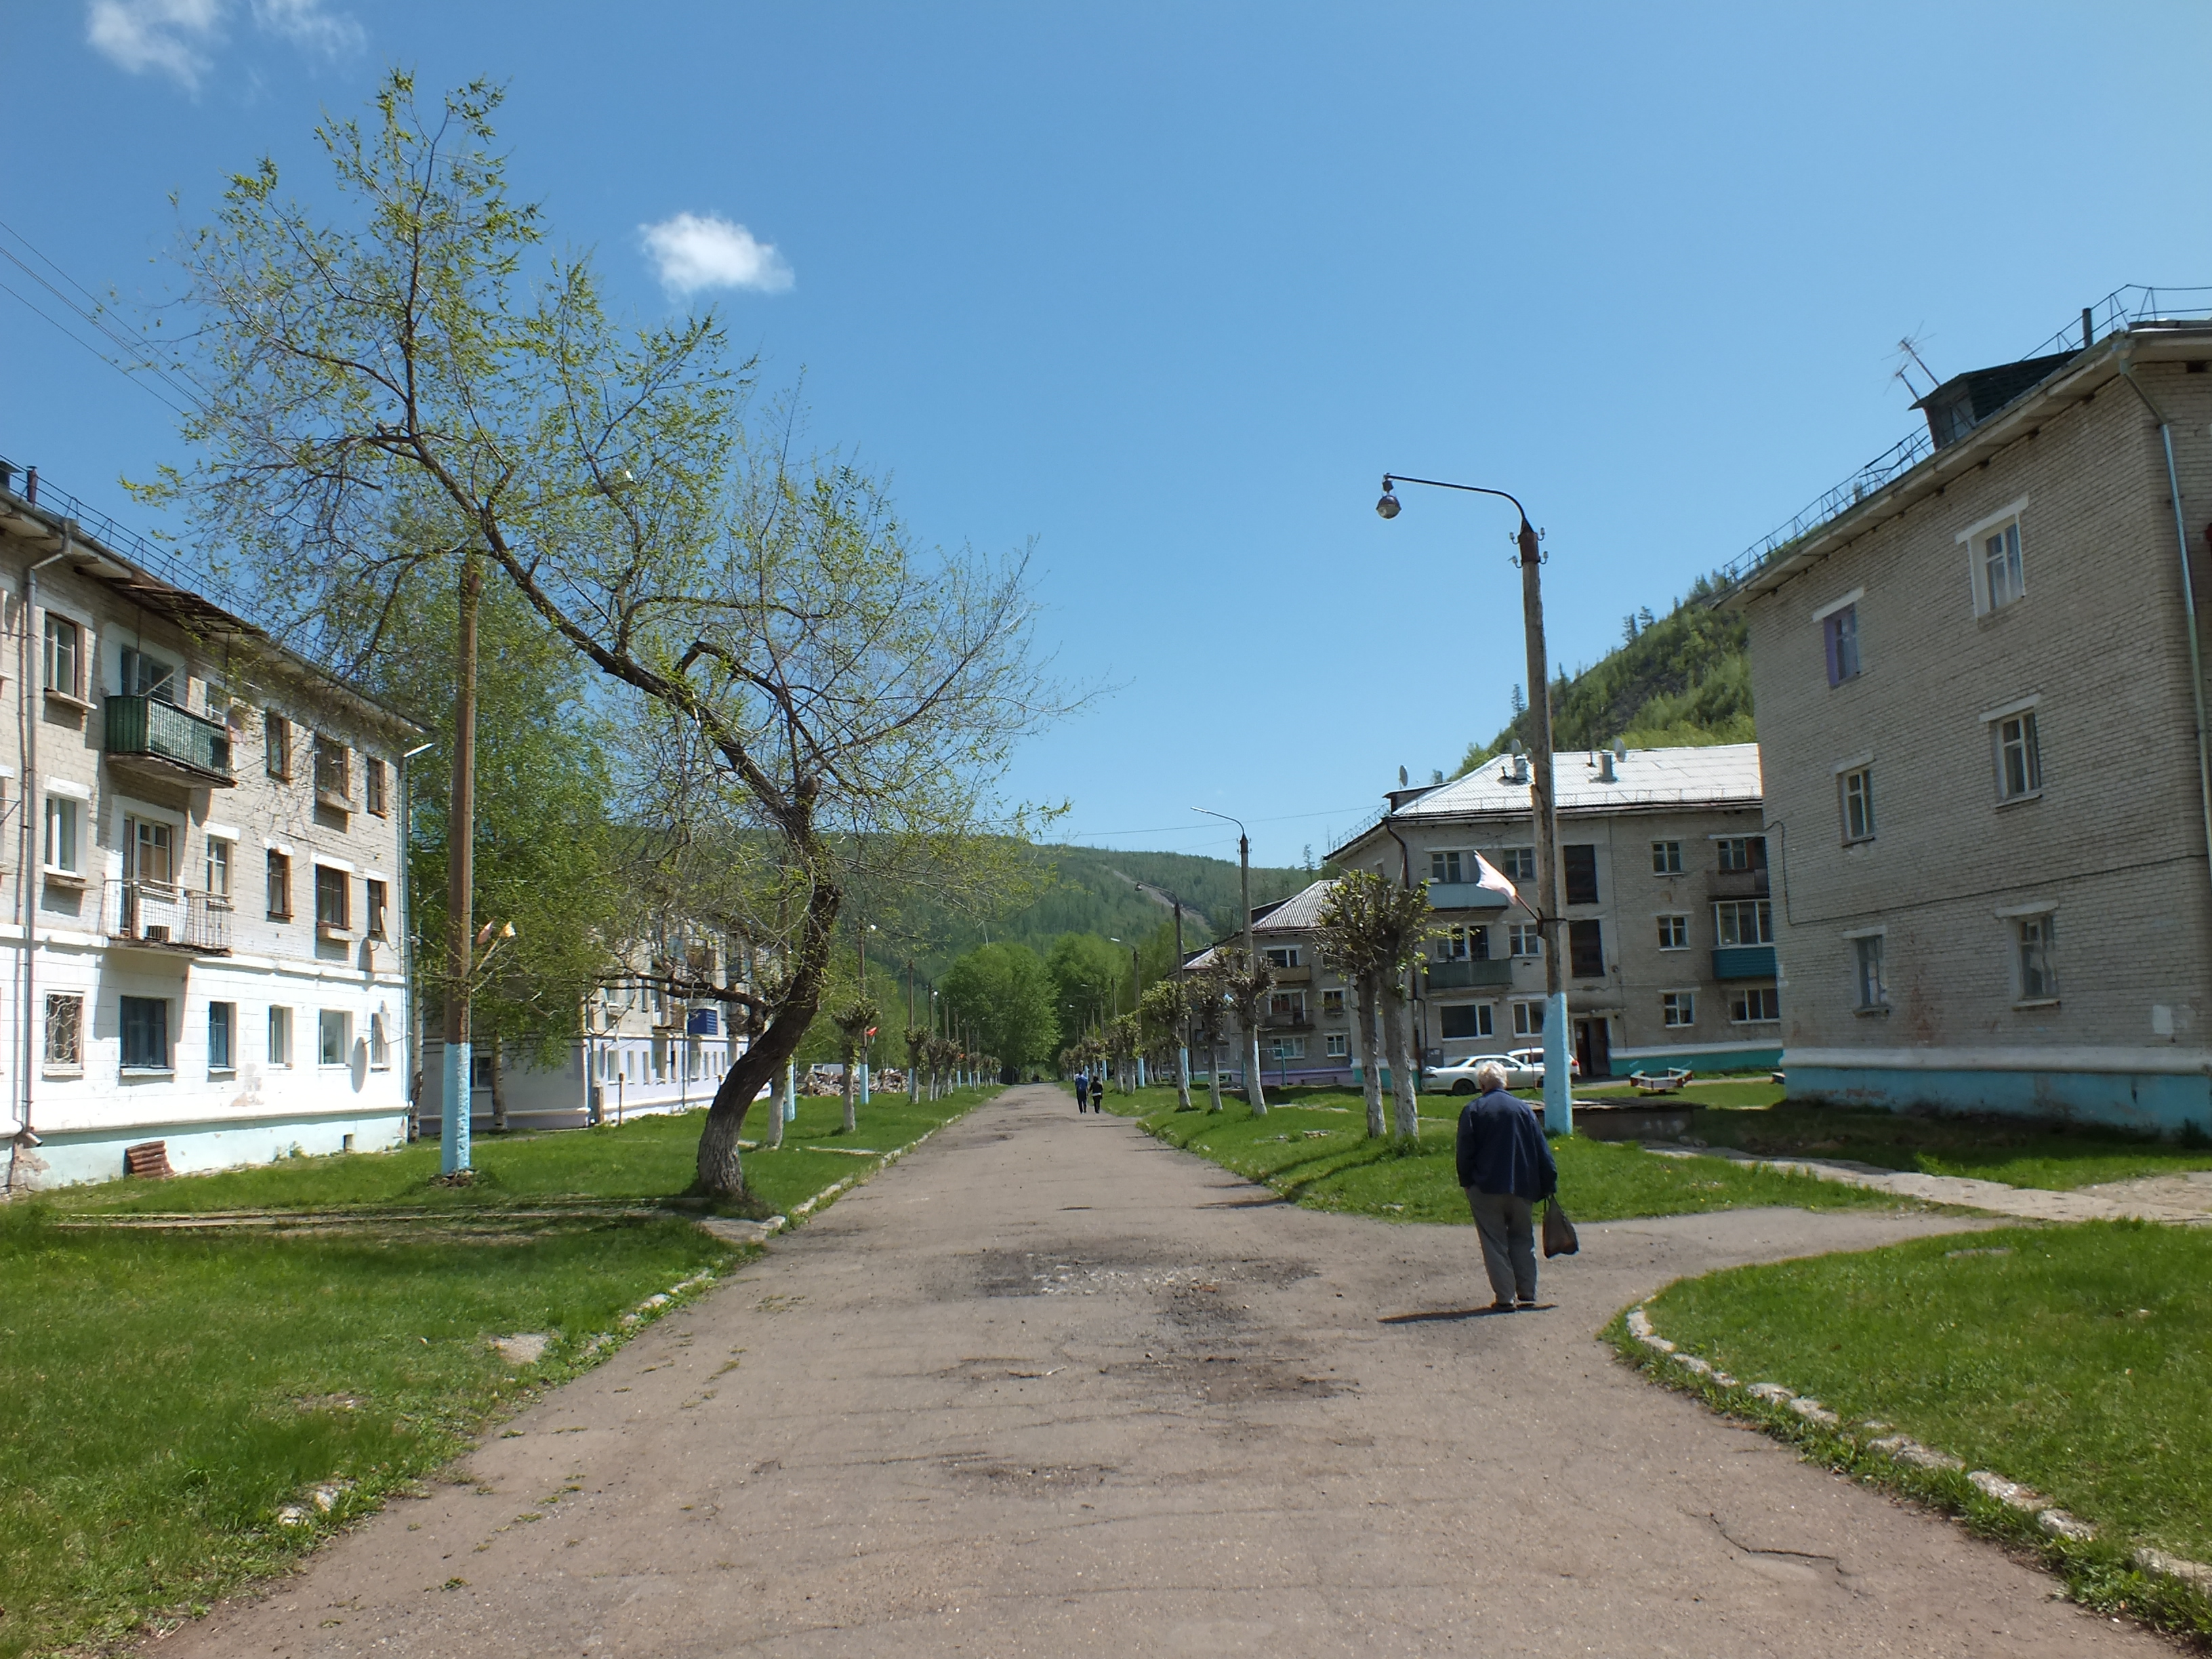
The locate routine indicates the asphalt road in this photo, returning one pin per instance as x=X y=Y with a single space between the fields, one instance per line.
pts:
x=1047 y=1387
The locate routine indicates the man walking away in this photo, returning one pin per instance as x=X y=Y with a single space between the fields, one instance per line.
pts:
x=1082 y=1089
x=1506 y=1168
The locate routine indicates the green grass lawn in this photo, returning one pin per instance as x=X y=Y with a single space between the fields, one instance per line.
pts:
x=168 y=1392
x=1312 y=1147
x=2072 y=1359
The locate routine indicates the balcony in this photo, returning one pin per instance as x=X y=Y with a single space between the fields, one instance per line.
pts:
x=1464 y=896
x=1288 y=1022
x=1291 y=976
x=1743 y=962
x=156 y=917
x=1740 y=884
x=159 y=740
x=1470 y=975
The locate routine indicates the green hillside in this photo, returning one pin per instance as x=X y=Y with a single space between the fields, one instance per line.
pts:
x=1681 y=679
x=1094 y=890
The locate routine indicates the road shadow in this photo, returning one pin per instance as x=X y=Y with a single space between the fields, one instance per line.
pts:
x=1439 y=1315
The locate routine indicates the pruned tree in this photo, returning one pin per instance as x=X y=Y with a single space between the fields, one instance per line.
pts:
x=1209 y=1019
x=1246 y=983
x=1165 y=1008
x=1348 y=943
x=393 y=395
x=853 y=1020
x=1373 y=930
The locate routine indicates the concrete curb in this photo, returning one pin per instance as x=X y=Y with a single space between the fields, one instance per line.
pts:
x=1902 y=1449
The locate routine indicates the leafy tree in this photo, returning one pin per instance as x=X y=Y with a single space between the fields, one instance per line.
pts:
x=1373 y=928
x=1245 y=985
x=1166 y=1008
x=1209 y=1016
x=853 y=1020
x=1006 y=995
x=395 y=395
x=1087 y=972
x=1348 y=942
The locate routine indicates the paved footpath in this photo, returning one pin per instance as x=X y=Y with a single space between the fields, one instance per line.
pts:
x=1049 y=1386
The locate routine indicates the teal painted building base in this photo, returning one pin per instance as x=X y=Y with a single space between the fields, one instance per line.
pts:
x=2149 y=1103
x=1704 y=1059
x=70 y=1158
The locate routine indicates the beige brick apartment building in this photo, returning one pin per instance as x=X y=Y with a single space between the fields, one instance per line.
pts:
x=201 y=881
x=1985 y=772
x=1669 y=924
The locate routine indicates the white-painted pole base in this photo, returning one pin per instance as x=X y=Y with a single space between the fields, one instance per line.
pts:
x=1558 y=1079
x=453 y=1133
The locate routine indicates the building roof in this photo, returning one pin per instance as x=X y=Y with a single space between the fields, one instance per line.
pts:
x=1297 y=914
x=1716 y=774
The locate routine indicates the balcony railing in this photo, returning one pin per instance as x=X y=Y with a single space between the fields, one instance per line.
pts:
x=1743 y=962
x=1301 y=976
x=161 y=917
x=1464 y=896
x=1462 y=975
x=150 y=735
x=1299 y=1022
x=1740 y=884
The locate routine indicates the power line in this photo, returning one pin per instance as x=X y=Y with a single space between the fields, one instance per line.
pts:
x=141 y=354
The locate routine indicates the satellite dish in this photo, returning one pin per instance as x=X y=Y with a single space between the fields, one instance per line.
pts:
x=1401 y=777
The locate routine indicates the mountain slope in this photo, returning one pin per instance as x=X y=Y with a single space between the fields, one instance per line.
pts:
x=1681 y=679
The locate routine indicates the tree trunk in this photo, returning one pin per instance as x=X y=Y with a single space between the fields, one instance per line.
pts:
x=1399 y=1035
x=498 y=1082
x=1182 y=1075
x=1254 y=1090
x=852 y=1112
x=774 y=1138
x=1370 y=1052
x=1214 y=1071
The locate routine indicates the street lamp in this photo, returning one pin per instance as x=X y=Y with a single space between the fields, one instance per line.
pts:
x=1558 y=1092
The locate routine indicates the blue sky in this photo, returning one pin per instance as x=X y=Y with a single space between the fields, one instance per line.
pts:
x=1166 y=287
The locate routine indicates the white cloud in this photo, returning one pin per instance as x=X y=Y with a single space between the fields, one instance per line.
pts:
x=694 y=253
x=175 y=38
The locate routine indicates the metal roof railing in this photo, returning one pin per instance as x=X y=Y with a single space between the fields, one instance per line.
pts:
x=102 y=527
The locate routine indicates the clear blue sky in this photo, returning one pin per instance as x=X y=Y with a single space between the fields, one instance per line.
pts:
x=1166 y=287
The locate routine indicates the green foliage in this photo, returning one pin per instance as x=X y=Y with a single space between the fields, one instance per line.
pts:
x=1089 y=975
x=1684 y=679
x=1006 y=995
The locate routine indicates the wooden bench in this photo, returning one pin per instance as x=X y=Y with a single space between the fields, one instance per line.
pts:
x=1663 y=1083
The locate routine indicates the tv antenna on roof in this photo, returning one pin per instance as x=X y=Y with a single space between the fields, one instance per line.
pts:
x=1911 y=349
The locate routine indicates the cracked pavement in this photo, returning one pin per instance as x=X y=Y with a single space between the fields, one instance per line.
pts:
x=1047 y=1386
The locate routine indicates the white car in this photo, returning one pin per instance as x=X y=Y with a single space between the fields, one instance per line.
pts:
x=1532 y=1061
x=1457 y=1077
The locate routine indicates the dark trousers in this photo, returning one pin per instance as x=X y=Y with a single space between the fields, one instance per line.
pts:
x=1509 y=1242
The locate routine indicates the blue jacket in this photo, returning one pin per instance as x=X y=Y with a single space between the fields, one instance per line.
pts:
x=1502 y=1150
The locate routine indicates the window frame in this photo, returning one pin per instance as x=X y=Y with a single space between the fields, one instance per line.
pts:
x=1333 y=1000
x=279 y=1029
x=1569 y=858
x=1738 y=1002
x=1869 y=972
x=57 y=622
x=2008 y=523
x=222 y=1019
x=2028 y=743
x=276 y=744
x=154 y=1010
x=1480 y=1016
x=1839 y=639
x=1858 y=801
x=1586 y=940
x=1667 y=858
x=1450 y=867
x=279 y=868
x=380 y=1041
x=71 y=809
x=331 y=880
x=220 y=854
x=326 y=1020
x=376 y=789
x=1524 y=941
x=1528 y=1016
x=1674 y=930
x=376 y=909
x=1337 y=1045
x=333 y=765
x=58 y=1003
x=1762 y=918
x=1678 y=1010
x=1518 y=863
x=2033 y=933
x=1289 y=953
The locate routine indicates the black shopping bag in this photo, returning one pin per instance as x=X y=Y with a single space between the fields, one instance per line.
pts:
x=1558 y=1233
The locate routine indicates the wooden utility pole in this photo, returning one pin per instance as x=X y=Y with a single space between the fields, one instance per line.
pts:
x=1558 y=1079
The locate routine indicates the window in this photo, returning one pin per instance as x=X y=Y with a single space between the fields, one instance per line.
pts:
x=1286 y=1004
x=145 y=1034
x=1518 y=863
x=1857 y=785
x=65 y=652
x=1524 y=939
x=1332 y=1002
x=1337 y=1045
x=373 y=776
x=64 y=1032
x=218 y=870
x=1673 y=933
x=1758 y=1005
x=1678 y=1008
x=2020 y=757
x=1744 y=921
x=378 y=895
x=222 y=1017
x=335 y=1035
x=280 y=886
x=1840 y=629
x=1461 y=944
x=1740 y=851
x=2000 y=576
x=333 y=769
x=1281 y=955
x=1450 y=868
x=1463 y=1019
x=61 y=818
x=1666 y=858
x=1585 y=950
x=333 y=898
x=1289 y=1047
x=1527 y=1019
x=280 y=1037
x=149 y=852
x=379 y=1044
x=276 y=744
x=1578 y=866
x=148 y=677
x=1866 y=965
x=2038 y=972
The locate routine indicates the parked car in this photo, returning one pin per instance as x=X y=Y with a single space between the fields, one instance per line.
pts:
x=1533 y=1059
x=1457 y=1077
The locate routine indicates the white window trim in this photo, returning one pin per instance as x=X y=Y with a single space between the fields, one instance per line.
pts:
x=339 y=865
x=1882 y=932
x=1682 y=917
x=1856 y=764
x=1834 y=606
x=68 y=788
x=2040 y=907
x=2017 y=706
x=2003 y=516
x=283 y=846
x=218 y=832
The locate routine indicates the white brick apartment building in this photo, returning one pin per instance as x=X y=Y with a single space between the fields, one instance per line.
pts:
x=1982 y=720
x=202 y=874
x=1669 y=924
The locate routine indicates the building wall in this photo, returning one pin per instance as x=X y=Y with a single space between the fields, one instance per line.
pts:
x=2115 y=842
x=259 y=1105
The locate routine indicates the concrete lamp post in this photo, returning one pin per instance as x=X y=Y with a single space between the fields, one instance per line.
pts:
x=1559 y=1089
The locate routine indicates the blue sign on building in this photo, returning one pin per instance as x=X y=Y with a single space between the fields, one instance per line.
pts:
x=704 y=1022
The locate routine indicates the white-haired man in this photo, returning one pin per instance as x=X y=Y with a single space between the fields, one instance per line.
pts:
x=1506 y=1169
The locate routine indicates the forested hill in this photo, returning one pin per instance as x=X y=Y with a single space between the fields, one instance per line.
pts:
x=1679 y=679
x=1095 y=891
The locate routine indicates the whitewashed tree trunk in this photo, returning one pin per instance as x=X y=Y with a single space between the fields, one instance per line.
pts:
x=852 y=1106
x=1254 y=1090
x=1214 y=1071
x=1399 y=1036
x=1370 y=1051
x=775 y=1087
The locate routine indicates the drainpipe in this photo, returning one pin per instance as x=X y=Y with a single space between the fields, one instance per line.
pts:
x=26 y=914
x=2188 y=604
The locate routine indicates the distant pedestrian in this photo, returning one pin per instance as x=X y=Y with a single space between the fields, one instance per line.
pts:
x=1506 y=1168
x=1082 y=1090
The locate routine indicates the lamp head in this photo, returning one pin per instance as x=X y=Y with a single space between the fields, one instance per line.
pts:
x=1388 y=506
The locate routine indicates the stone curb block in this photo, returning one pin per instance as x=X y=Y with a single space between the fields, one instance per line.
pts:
x=1903 y=1448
